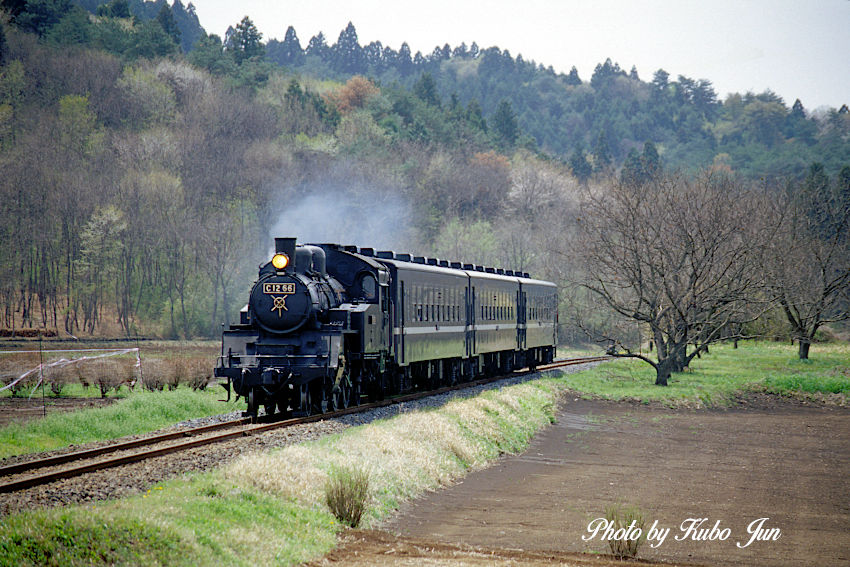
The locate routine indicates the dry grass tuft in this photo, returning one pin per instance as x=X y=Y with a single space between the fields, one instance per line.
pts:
x=622 y=517
x=346 y=494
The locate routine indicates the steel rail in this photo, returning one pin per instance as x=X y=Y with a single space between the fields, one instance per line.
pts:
x=45 y=478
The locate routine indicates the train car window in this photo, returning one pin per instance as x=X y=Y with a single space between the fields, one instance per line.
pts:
x=368 y=286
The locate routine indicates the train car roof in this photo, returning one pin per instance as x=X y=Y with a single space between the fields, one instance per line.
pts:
x=417 y=267
x=432 y=269
x=532 y=281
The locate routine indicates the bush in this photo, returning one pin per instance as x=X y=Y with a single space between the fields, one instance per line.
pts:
x=199 y=372
x=12 y=367
x=621 y=517
x=155 y=372
x=346 y=492
x=59 y=377
x=107 y=375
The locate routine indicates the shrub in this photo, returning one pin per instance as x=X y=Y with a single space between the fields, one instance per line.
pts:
x=346 y=493
x=621 y=517
x=154 y=374
x=177 y=374
x=199 y=372
x=59 y=377
x=13 y=366
x=107 y=375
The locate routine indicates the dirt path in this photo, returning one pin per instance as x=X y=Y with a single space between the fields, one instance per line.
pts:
x=788 y=463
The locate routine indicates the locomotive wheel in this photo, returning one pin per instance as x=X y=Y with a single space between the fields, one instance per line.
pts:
x=305 y=406
x=343 y=395
x=253 y=406
x=269 y=407
x=317 y=397
x=354 y=397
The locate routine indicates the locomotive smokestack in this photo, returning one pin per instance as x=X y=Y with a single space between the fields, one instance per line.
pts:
x=286 y=246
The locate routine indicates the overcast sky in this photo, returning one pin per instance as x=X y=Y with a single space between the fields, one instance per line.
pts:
x=796 y=48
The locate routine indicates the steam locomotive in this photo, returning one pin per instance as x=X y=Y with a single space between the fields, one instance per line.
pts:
x=327 y=324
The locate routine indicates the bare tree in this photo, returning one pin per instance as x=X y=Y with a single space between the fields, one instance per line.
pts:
x=807 y=263
x=676 y=255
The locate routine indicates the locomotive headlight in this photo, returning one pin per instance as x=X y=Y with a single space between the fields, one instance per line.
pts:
x=280 y=261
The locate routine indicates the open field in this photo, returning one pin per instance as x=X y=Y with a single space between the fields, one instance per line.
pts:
x=162 y=392
x=717 y=379
x=787 y=463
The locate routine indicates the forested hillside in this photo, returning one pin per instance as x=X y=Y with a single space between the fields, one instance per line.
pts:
x=143 y=180
x=601 y=118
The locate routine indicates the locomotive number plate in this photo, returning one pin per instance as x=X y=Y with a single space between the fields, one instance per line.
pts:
x=278 y=288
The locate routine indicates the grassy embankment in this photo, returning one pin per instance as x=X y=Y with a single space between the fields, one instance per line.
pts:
x=268 y=509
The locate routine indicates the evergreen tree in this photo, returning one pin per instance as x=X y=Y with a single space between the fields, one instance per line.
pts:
x=168 y=23
x=505 y=124
x=475 y=116
x=318 y=46
x=797 y=110
x=347 y=53
x=3 y=47
x=287 y=53
x=660 y=80
x=601 y=153
x=373 y=56
x=650 y=161
x=208 y=53
x=426 y=90
x=38 y=16
x=114 y=9
x=188 y=24
x=632 y=172
x=404 y=62
x=580 y=166
x=573 y=78
x=73 y=29
x=244 y=42
x=604 y=72
x=150 y=41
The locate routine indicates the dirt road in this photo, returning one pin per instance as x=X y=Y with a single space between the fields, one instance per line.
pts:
x=780 y=460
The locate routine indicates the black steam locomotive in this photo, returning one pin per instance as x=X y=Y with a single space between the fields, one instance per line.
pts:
x=326 y=324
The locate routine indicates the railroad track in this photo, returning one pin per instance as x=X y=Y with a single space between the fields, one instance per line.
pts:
x=21 y=474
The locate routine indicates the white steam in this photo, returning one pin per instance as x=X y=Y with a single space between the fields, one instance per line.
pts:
x=376 y=218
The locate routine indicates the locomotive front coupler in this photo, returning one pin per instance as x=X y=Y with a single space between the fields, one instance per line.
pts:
x=272 y=383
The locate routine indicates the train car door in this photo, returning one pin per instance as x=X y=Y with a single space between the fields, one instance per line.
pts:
x=522 y=319
x=472 y=319
x=400 y=354
x=469 y=301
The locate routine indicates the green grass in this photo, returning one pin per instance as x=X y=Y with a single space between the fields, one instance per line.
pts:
x=719 y=376
x=139 y=412
x=203 y=521
x=269 y=509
